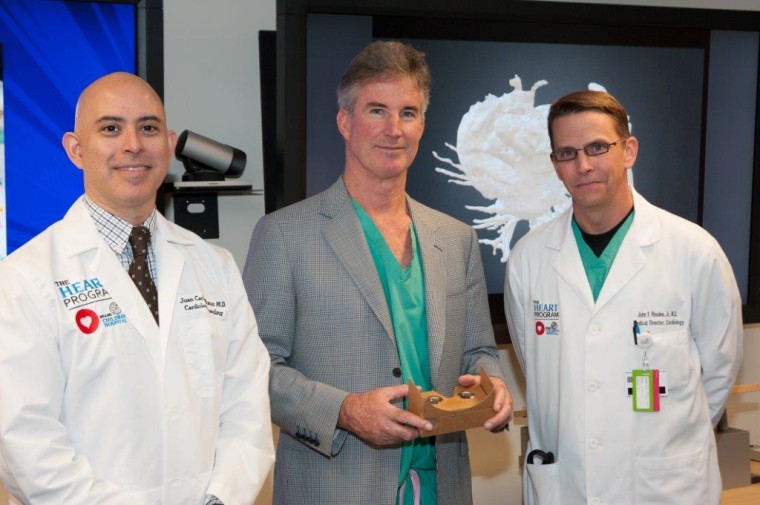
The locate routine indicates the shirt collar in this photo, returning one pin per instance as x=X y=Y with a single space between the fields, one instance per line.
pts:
x=115 y=230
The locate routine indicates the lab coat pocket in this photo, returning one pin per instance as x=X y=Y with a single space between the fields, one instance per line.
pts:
x=670 y=352
x=147 y=497
x=544 y=484
x=200 y=358
x=673 y=480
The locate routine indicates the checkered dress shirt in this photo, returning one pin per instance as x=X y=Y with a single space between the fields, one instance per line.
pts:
x=115 y=231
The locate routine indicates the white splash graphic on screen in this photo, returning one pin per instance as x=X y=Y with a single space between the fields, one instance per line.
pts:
x=503 y=149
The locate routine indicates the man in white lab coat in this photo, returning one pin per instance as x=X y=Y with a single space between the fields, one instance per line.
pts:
x=626 y=321
x=102 y=399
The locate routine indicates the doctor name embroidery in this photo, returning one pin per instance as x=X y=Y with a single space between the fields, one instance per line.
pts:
x=195 y=302
x=652 y=318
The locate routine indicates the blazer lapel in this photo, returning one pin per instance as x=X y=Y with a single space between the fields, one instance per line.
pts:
x=434 y=266
x=341 y=233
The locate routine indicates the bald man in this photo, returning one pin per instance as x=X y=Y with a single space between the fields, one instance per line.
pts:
x=131 y=369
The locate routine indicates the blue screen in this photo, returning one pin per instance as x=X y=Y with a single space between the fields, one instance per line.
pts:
x=51 y=50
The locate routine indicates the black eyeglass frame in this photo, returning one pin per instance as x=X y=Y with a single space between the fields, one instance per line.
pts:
x=585 y=149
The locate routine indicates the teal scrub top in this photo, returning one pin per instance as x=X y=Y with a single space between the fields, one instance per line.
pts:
x=404 y=290
x=597 y=268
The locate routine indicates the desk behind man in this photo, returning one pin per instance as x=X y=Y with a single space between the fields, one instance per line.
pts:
x=357 y=290
x=617 y=288
x=131 y=371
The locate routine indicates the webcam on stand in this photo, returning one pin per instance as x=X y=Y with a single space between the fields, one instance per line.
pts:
x=209 y=164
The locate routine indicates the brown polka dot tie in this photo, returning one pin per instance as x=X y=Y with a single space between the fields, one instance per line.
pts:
x=139 y=269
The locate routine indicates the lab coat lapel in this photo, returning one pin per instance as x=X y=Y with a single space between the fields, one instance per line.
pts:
x=345 y=237
x=630 y=259
x=434 y=266
x=107 y=266
x=100 y=261
x=567 y=263
x=171 y=262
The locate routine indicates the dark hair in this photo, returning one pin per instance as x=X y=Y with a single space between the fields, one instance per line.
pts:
x=382 y=60
x=582 y=101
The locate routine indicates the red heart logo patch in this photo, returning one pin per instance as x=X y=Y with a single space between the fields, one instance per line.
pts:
x=87 y=320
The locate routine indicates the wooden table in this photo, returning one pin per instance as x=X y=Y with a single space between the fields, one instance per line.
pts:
x=749 y=495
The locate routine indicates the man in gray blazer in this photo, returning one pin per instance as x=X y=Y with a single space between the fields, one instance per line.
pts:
x=357 y=290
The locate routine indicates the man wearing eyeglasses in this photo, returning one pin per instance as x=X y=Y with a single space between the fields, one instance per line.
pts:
x=626 y=321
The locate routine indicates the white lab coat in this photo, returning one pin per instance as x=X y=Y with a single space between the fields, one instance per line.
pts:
x=129 y=413
x=674 y=279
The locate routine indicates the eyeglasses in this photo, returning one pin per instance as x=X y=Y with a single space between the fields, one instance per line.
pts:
x=592 y=149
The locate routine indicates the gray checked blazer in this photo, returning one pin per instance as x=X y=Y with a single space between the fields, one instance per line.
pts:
x=322 y=315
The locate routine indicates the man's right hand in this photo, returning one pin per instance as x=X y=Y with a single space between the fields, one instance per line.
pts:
x=372 y=417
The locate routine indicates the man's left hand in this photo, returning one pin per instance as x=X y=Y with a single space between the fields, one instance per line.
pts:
x=502 y=404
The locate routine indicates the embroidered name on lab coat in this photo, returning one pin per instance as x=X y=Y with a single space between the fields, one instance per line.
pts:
x=197 y=302
x=654 y=318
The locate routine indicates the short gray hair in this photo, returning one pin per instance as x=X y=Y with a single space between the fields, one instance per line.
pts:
x=382 y=60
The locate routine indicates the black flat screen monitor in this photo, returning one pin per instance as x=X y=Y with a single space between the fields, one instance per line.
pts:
x=688 y=78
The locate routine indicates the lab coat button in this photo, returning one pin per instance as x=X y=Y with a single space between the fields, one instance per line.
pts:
x=594 y=330
x=593 y=386
x=174 y=411
x=596 y=501
x=594 y=443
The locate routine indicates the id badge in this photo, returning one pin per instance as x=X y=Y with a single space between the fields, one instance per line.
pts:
x=646 y=390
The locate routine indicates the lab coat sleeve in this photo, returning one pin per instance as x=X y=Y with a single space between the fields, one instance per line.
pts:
x=480 y=348
x=245 y=449
x=37 y=463
x=514 y=308
x=297 y=401
x=716 y=325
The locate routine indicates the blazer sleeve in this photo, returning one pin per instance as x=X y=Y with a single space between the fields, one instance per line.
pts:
x=305 y=409
x=480 y=350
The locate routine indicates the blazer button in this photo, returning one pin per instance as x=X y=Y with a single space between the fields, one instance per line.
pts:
x=397 y=372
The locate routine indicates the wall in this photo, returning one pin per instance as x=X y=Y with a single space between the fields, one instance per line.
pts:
x=212 y=88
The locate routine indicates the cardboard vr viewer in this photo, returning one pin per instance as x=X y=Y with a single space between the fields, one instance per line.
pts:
x=468 y=407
